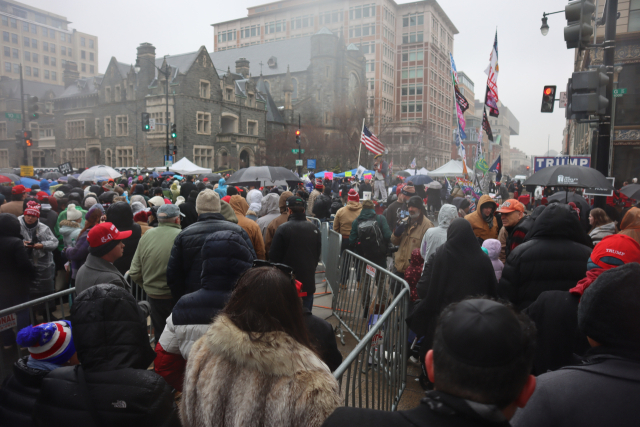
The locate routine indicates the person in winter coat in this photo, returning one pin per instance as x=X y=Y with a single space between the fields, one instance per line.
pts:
x=601 y=225
x=222 y=188
x=185 y=264
x=398 y=210
x=317 y=191
x=225 y=256
x=188 y=209
x=322 y=205
x=268 y=212
x=297 y=243
x=515 y=225
x=413 y=272
x=175 y=191
x=240 y=207
x=40 y=243
x=254 y=198
x=345 y=216
x=444 y=280
x=553 y=256
x=187 y=187
x=277 y=221
x=112 y=385
x=260 y=338
x=479 y=385
x=602 y=389
x=50 y=346
x=15 y=206
x=630 y=224
x=493 y=247
x=48 y=216
x=77 y=254
x=378 y=255
x=433 y=199
x=408 y=234
x=70 y=228
x=483 y=221
x=555 y=313
x=436 y=236
x=121 y=215
x=18 y=272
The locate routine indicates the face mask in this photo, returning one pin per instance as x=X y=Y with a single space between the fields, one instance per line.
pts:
x=415 y=216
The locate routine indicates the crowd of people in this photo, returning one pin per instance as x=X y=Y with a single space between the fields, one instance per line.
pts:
x=525 y=313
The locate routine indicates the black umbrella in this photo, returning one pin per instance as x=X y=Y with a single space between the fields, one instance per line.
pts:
x=51 y=175
x=569 y=176
x=419 y=179
x=263 y=176
x=566 y=197
x=632 y=191
x=212 y=177
x=403 y=174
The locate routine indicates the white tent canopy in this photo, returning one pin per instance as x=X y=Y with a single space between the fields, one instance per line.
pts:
x=185 y=167
x=412 y=172
x=452 y=169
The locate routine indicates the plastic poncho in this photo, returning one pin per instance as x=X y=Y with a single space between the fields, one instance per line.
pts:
x=436 y=236
x=222 y=188
x=254 y=198
x=42 y=259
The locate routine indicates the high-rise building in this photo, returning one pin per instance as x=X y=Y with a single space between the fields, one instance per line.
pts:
x=406 y=49
x=42 y=42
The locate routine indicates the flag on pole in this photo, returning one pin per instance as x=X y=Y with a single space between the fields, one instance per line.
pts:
x=480 y=152
x=413 y=163
x=491 y=95
x=486 y=126
x=371 y=142
x=495 y=167
x=462 y=101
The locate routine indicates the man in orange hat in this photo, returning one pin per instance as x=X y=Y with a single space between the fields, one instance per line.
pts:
x=512 y=234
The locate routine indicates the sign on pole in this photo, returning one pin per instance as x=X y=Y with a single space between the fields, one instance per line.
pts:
x=563 y=100
x=17 y=117
x=617 y=93
x=595 y=191
x=152 y=125
x=26 y=170
x=299 y=162
x=65 y=168
x=311 y=163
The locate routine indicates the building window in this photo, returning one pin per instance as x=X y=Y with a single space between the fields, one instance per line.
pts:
x=34 y=57
x=413 y=37
x=7 y=51
x=107 y=94
x=7 y=67
x=91 y=43
x=54 y=75
x=331 y=17
x=252 y=31
x=14 y=22
x=205 y=89
x=52 y=48
x=413 y=20
x=203 y=156
x=53 y=61
x=252 y=127
x=4 y=158
x=82 y=41
x=83 y=54
x=75 y=129
x=362 y=30
x=108 y=157
x=14 y=38
x=26 y=42
x=34 y=43
x=27 y=57
x=36 y=72
x=69 y=51
x=370 y=65
x=15 y=53
x=413 y=55
x=634 y=16
x=45 y=46
x=48 y=107
x=84 y=68
x=96 y=126
x=303 y=21
x=160 y=118
x=63 y=49
x=16 y=68
x=76 y=157
x=228 y=124
x=107 y=126
x=273 y=27
x=46 y=74
x=228 y=94
x=3 y=130
x=91 y=56
x=122 y=125
x=37 y=158
x=204 y=123
x=92 y=69
x=412 y=73
x=226 y=36
x=124 y=157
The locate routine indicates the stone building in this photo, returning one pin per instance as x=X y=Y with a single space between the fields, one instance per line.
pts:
x=220 y=119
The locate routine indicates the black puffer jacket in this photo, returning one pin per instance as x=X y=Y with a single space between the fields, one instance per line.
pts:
x=185 y=265
x=188 y=208
x=121 y=215
x=109 y=332
x=18 y=394
x=322 y=207
x=553 y=256
x=322 y=336
x=297 y=243
x=16 y=270
x=225 y=255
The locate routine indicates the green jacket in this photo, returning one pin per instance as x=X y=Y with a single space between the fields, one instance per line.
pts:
x=367 y=214
x=61 y=217
x=149 y=264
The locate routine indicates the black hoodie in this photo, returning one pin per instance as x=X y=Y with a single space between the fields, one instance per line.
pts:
x=121 y=215
x=110 y=335
x=553 y=257
x=16 y=269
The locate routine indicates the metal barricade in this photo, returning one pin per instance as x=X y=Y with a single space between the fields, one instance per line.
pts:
x=316 y=221
x=331 y=244
x=372 y=304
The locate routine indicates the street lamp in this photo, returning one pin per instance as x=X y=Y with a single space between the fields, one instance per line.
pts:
x=544 y=29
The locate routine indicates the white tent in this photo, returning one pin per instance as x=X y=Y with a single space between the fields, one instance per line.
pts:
x=412 y=172
x=185 y=167
x=452 y=169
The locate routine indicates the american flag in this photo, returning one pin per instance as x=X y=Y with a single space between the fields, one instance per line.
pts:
x=372 y=142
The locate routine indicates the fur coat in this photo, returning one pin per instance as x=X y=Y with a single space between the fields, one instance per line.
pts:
x=233 y=381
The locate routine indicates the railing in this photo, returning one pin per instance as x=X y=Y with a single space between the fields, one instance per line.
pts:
x=372 y=304
x=331 y=244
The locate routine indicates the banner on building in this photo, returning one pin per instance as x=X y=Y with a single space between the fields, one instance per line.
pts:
x=540 y=163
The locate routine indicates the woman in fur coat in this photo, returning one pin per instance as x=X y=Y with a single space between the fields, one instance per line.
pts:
x=256 y=365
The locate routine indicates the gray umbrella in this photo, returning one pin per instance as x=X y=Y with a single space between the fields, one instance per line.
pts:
x=566 y=197
x=632 y=191
x=263 y=176
x=569 y=176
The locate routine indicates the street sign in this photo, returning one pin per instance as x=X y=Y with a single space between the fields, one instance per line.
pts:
x=311 y=163
x=65 y=168
x=563 y=100
x=594 y=191
x=617 y=93
x=152 y=124
x=298 y=162
x=16 y=117
x=296 y=150
x=168 y=163
x=26 y=170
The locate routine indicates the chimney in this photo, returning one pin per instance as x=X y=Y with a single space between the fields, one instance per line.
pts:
x=146 y=60
x=70 y=73
x=242 y=67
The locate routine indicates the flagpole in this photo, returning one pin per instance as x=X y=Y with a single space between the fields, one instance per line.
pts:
x=360 y=149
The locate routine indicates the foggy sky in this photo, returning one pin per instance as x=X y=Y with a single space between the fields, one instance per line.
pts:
x=527 y=60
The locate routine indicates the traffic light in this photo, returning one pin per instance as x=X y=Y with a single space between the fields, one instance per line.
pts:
x=298 y=136
x=579 y=29
x=174 y=131
x=588 y=92
x=175 y=153
x=146 y=127
x=548 y=99
x=32 y=107
x=26 y=135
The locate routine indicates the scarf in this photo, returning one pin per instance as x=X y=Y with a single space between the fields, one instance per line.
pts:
x=447 y=404
x=31 y=226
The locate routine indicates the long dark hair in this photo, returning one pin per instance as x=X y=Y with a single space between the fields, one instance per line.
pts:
x=266 y=300
x=600 y=217
x=91 y=218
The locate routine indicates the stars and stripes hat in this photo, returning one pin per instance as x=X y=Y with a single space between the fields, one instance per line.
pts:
x=51 y=342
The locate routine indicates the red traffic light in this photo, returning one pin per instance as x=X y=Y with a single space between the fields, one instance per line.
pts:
x=528 y=167
x=298 y=132
x=548 y=91
x=28 y=142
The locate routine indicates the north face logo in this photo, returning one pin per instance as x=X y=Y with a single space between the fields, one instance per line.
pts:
x=120 y=404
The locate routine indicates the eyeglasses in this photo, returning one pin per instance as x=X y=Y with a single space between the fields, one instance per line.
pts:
x=282 y=267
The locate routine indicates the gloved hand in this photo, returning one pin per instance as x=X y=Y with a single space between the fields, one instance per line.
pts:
x=145 y=307
x=400 y=229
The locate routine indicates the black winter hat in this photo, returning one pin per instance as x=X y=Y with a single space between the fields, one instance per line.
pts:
x=608 y=310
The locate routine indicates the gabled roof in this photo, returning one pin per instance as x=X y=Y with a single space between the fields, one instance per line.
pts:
x=179 y=63
x=11 y=88
x=82 y=87
x=296 y=53
x=273 y=115
x=123 y=69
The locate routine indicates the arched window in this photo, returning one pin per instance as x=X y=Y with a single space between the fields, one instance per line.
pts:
x=108 y=157
x=295 y=88
x=229 y=123
x=223 y=159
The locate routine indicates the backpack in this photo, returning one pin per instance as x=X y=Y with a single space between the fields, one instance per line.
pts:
x=370 y=241
x=336 y=205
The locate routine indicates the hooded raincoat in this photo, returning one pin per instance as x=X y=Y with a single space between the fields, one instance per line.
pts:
x=222 y=188
x=630 y=225
x=121 y=215
x=269 y=210
x=484 y=228
x=240 y=207
x=42 y=259
x=436 y=236
x=254 y=198
x=345 y=216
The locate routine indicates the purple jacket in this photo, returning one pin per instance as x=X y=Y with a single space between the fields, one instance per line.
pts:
x=494 y=246
x=78 y=253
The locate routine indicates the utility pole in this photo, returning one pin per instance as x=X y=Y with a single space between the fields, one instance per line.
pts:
x=299 y=149
x=166 y=90
x=24 y=120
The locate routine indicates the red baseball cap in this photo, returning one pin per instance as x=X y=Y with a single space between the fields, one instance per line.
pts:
x=19 y=189
x=104 y=233
x=615 y=247
x=42 y=196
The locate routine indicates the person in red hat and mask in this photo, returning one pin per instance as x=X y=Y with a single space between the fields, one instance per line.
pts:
x=105 y=247
x=15 y=206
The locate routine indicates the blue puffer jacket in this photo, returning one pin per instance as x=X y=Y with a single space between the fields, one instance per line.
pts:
x=222 y=188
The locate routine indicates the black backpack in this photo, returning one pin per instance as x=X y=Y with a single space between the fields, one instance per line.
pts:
x=370 y=240
x=336 y=205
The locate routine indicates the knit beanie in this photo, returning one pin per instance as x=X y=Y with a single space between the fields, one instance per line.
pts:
x=137 y=207
x=156 y=201
x=353 y=196
x=58 y=195
x=32 y=209
x=72 y=213
x=368 y=204
x=408 y=190
x=608 y=310
x=208 y=201
x=90 y=200
x=51 y=342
